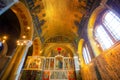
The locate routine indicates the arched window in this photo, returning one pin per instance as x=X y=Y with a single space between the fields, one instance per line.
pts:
x=86 y=54
x=107 y=32
x=112 y=23
x=102 y=37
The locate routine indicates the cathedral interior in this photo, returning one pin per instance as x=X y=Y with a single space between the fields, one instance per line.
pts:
x=59 y=40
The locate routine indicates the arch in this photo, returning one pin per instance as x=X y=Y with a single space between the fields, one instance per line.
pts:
x=80 y=48
x=25 y=20
x=26 y=26
x=91 y=24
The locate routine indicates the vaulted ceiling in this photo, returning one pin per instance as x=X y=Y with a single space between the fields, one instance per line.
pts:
x=59 y=17
x=57 y=20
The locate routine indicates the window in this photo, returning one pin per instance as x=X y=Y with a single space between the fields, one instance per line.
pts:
x=112 y=23
x=103 y=38
x=107 y=33
x=86 y=54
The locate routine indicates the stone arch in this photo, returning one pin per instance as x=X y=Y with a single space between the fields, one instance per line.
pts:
x=25 y=20
x=91 y=24
x=80 y=48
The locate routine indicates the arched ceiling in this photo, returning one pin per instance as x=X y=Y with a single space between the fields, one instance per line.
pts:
x=57 y=22
x=60 y=17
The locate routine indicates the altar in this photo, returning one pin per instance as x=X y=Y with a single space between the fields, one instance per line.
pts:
x=49 y=68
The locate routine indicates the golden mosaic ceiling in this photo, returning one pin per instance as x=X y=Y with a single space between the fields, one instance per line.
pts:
x=60 y=17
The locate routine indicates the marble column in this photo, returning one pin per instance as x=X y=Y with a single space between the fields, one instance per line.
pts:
x=15 y=66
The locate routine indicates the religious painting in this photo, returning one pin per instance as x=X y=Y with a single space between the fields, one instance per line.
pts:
x=31 y=75
x=52 y=63
x=58 y=75
x=64 y=75
x=71 y=75
x=47 y=63
x=63 y=52
x=71 y=62
x=59 y=62
x=35 y=63
x=42 y=63
x=66 y=64
x=52 y=76
x=46 y=75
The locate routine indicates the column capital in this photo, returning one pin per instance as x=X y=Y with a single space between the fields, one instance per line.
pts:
x=24 y=42
x=29 y=43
